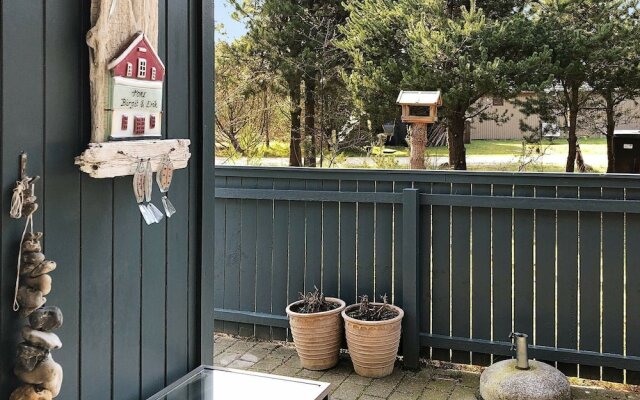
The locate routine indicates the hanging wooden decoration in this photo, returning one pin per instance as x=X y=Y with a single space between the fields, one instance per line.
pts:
x=126 y=81
x=41 y=375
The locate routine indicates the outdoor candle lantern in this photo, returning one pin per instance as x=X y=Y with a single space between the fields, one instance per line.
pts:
x=420 y=107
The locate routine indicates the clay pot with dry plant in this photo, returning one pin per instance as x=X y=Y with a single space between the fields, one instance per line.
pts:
x=316 y=327
x=373 y=336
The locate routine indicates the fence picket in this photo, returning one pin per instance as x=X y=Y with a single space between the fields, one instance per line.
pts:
x=461 y=272
x=590 y=238
x=613 y=284
x=481 y=273
x=441 y=270
x=567 y=260
x=365 y=244
x=632 y=236
x=501 y=250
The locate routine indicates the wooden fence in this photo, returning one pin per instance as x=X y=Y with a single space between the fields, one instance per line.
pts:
x=470 y=257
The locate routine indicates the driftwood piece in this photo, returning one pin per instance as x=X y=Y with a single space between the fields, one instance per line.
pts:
x=111 y=159
x=114 y=23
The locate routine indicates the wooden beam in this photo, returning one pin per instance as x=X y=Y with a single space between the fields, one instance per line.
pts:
x=111 y=159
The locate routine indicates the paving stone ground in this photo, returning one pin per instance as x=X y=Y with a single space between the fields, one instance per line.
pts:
x=429 y=383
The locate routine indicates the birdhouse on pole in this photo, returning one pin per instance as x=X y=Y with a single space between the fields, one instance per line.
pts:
x=419 y=107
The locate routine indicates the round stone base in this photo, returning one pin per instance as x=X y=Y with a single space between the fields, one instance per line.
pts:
x=503 y=381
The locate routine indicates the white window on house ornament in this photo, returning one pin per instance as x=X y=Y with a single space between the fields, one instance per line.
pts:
x=129 y=69
x=142 y=68
x=153 y=73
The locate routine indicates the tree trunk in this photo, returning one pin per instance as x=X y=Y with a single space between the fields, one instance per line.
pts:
x=265 y=113
x=457 y=152
x=611 y=127
x=418 y=139
x=295 y=154
x=573 y=126
x=310 y=121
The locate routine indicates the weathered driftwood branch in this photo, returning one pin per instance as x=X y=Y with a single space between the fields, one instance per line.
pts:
x=110 y=159
x=114 y=22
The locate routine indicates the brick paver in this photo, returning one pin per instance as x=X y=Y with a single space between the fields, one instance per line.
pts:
x=428 y=384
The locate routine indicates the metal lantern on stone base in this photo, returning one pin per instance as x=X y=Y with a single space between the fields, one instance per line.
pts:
x=419 y=108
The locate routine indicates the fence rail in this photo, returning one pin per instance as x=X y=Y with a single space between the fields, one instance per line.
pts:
x=469 y=256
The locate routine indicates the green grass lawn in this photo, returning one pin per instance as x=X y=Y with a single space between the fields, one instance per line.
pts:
x=508 y=151
x=475 y=148
x=504 y=147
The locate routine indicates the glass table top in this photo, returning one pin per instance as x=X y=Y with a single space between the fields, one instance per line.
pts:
x=208 y=383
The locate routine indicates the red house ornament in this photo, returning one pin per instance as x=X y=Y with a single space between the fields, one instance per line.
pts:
x=135 y=95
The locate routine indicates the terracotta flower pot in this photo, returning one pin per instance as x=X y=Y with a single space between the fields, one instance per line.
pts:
x=317 y=336
x=373 y=345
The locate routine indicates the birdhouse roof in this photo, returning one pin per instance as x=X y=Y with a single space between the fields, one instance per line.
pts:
x=140 y=38
x=419 y=98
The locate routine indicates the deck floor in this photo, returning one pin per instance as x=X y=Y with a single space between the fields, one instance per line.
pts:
x=428 y=384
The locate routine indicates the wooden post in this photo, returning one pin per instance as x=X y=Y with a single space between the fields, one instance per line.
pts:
x=114 y=22
x=418 y=141
x=411 y=278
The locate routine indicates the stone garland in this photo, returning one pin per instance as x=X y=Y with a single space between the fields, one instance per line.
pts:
x=41 y=375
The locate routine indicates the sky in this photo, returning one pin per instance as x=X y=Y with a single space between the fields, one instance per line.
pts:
x=232 y=29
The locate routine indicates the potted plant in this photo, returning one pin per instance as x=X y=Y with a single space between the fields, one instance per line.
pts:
x=316 y=327
x=373 y=335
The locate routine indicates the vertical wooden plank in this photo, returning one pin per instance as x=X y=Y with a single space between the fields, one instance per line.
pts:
x=632 y=255
x=398 y=187
x=545 y=271
x=411 y=279
x=441 y=270
x=296 y=244
x=365 y=244
x=62 y=193
x=220 y=252
x=481 y=272
x=177 y=119
x=348 y=291
x=280 y=257
x=204 y=105
x=461 y=272
x=248 y=244
x=523 y=265
x=613 y=284
x=313 y=251
x=502 y=266
x=126 y=284
x=590 y=241
x=153 y=341
x=22 y=130
x=384 y=244
x=263 y=271
x=232 y=261
x=154 y=281
x=96 y=291
x=567 y=260
x=330 y=242
x=199 y=221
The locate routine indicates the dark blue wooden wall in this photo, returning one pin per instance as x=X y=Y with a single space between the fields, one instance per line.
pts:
x=130 y=293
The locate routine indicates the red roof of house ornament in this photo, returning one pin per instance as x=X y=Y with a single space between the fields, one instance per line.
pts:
x=138 y=61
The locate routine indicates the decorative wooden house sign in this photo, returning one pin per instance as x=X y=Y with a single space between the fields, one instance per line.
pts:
x=135 y=98
x=126 y=81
